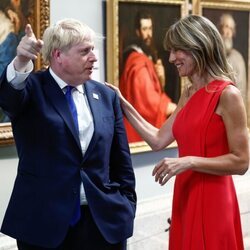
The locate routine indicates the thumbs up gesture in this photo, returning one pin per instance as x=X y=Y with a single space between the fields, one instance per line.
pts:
x=28 y=48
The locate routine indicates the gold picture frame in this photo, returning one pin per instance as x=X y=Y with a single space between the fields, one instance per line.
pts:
x=239 y=11
x=120 y=14
x=38 y=15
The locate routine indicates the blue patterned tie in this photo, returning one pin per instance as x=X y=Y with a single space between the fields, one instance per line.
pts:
x=72 y=106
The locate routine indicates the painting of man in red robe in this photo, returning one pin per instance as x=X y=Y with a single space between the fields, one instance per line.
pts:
x=143 y=75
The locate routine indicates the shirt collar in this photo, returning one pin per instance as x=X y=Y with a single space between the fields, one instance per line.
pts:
x=63 y=84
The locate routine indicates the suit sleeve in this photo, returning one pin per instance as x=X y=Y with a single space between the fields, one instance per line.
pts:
x=12 y=100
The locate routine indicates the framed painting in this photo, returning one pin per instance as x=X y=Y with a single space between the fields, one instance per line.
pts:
x=137 y=62
x=232 y=18
x=14 y=15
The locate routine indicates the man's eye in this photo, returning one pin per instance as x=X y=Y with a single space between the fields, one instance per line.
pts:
x=83 y=52
x=86 y=51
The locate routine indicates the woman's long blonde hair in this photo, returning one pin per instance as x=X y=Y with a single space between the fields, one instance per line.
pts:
x=200 y=37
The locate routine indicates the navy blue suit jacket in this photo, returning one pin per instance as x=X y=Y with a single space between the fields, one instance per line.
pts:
x=51 y=165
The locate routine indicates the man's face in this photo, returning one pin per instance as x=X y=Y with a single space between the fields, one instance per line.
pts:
x=227 y=28
x=227 y=32
x=76 y=64
x=146 y=31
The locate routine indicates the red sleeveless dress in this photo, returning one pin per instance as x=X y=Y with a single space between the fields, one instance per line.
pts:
x=205 y=212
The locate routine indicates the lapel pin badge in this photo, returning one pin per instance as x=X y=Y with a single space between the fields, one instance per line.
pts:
x=95 y=96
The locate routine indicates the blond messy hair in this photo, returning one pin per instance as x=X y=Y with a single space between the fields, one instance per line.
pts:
x=63 y=35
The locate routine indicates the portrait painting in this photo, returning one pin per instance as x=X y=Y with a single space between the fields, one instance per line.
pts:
x=144 y=74
x=237 y=46
x=14 y=16
x=232 y=18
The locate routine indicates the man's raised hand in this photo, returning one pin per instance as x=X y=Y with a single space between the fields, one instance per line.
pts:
x=28 y=48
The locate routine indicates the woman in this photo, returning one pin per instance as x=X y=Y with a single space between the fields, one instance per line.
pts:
x=210 y=127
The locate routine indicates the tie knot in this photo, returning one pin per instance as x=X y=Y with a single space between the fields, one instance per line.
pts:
x=69 y=88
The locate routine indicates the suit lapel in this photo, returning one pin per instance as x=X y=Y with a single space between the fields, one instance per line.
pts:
x=57 y=99
x=95 y=102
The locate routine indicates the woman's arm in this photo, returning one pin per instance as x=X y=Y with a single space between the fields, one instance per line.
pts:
x=156 y=138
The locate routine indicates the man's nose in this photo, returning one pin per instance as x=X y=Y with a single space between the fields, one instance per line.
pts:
x=227 y=32
x=149 y=33
x=93 y=57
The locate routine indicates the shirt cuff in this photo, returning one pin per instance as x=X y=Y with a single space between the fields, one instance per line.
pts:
x=17 y=79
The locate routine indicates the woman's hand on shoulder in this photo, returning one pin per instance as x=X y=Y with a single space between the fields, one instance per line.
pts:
x=116 y=89
x=124 y=103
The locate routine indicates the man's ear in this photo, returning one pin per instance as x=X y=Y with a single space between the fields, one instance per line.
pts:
x=56 y=54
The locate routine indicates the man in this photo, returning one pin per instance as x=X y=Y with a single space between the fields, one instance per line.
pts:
x=72 y=147
x=143 y=78
x=227 y=27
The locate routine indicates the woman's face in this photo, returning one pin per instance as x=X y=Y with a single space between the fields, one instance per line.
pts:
x=183 y=61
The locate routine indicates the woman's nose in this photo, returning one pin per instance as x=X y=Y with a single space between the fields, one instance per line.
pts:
x=172 y=56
